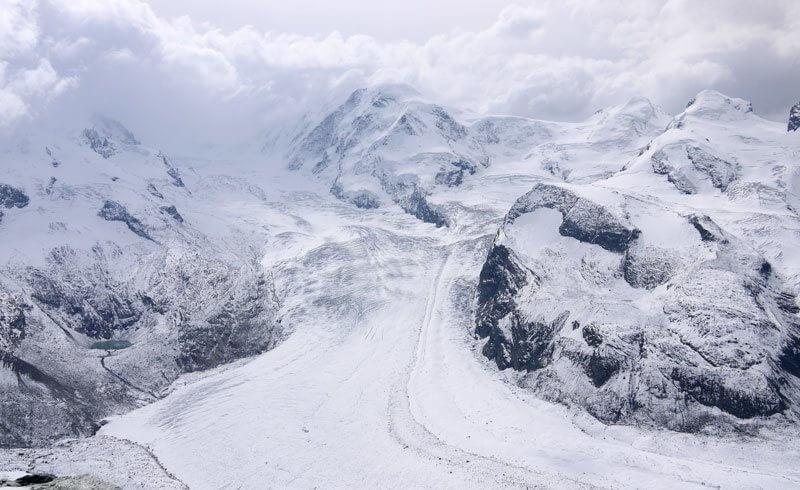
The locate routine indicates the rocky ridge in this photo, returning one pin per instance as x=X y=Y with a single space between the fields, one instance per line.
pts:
x=640 y=302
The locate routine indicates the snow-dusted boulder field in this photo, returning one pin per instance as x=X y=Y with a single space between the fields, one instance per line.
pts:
x=666 y=294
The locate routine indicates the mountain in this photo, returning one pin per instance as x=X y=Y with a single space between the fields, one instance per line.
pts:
x=119 y=272
x=668 y=288
x=388 y=144
x=477 y=300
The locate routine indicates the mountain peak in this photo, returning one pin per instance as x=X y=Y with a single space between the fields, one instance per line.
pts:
x=713 y=105
x=113 y=129
x=381 y=95
x=106 y=134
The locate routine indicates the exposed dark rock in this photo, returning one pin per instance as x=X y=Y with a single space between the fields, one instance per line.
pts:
x=173 y=212
x=591 y=223
x=98 y=143
x=12 y=321
x=601 y=366
x=154 y=191
x=241 y=328
x=97 y=310
x=675 y=176
x=647 y=267
x=159 y=306
x=11 y=197
x=363 y=199
x=450 y=178
x=34 y=479
x=787 y=302
x=543 y=196
x=412 y=198
x=531 y=342
x=794 y=118
x=592 y=335
x=742 y=395
x=449 y=127
x=114 y=211
x=582 y=219
x=417 y=205
x=722 y=173
x=502 y=277
x=50 y=185
x=173 y=172
x=708 y=230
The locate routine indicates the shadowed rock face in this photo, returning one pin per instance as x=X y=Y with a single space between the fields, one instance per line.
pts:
x=11 y=197
x=582 y=219
x=114 y=211
x=501 y=279
x=412 y=198
x=794 y=118
x=721 y=172
x=98 y=143
x=715 y=337
x=172 y=211
x=173 y=172
x=214 y=312
x=95 y=305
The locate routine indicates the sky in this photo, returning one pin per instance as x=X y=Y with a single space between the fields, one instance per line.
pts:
x=171 y=67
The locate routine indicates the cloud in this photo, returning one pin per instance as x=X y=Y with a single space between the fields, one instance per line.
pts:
x=25 y=86
x=552 y=59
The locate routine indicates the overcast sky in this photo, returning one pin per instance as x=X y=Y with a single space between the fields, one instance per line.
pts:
x=415 y=20
x=189 y=63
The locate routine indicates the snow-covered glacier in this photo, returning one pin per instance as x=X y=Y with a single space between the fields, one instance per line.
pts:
x=396 y=293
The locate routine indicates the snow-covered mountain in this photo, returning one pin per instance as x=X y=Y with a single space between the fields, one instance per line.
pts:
x=119 y=273
x=665 y=294
x=387 y=144
x=427 y=282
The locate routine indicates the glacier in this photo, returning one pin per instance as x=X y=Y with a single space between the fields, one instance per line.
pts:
x=402 y=294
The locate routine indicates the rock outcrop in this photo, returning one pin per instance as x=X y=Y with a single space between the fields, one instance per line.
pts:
x=114 y=211
x=635 y=326
x=794 y=118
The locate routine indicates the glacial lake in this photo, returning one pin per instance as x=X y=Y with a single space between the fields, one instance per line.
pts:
x=111 y=344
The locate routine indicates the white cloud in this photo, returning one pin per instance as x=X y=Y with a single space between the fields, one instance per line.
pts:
x=24 y=86
x=552 y=59
x=19 y=31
